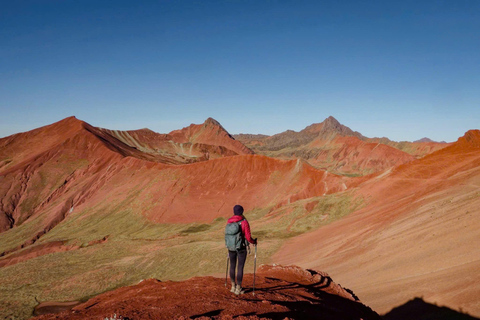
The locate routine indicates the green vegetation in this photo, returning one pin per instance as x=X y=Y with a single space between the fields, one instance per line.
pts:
x=138 y=249
x=14 y=238
x=292 y=220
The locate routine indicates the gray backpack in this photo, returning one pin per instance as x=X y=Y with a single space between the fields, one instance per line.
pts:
x=233 y=236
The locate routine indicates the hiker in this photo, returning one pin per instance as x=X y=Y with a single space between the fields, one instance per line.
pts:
x=237 y=233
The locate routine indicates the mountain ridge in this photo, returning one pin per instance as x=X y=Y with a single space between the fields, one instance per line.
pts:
x=91 y=204
x=334 y=147
x=325 y=133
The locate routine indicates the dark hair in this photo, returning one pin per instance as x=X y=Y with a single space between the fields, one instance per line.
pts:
x=238 y=210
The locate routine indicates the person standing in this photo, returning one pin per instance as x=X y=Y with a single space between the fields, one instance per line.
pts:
x=237 y=237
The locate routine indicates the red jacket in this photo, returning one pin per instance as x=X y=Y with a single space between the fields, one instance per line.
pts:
x=245 y=227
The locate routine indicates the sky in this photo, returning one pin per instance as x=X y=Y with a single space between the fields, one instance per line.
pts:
x=398 y=69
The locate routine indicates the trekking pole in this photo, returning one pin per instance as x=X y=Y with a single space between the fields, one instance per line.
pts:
x=254 y=268
x=226 y=272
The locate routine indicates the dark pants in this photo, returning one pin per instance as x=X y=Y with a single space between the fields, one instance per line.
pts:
x=241 y=256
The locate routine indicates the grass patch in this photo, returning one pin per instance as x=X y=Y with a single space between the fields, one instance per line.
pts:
x=138 y=249
x=196 y=228
x=17 y=236
x=292 y=220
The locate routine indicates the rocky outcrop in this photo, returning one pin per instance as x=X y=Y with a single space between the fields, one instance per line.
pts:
x=280 y=293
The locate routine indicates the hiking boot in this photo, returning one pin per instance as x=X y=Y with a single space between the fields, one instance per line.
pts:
x=234 y=286
x=239 y=290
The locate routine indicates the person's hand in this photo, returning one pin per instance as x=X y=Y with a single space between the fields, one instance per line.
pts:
x=255 y=241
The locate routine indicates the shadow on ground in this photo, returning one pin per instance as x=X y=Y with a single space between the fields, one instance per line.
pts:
x=418 y=309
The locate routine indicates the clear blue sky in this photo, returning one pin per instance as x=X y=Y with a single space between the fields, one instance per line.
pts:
x=400 y=69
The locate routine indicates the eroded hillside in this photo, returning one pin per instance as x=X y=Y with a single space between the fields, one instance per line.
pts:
x=87 y=210
x=417 y=237
x=85 y=200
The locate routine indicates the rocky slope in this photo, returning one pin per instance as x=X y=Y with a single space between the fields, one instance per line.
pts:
x=280 y=293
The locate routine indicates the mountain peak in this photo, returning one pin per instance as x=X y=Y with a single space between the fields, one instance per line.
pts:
x=425 y=139
x=331 y=121
x=211 y=121
x=471 y=139
x=69 y=120
x=332 y=125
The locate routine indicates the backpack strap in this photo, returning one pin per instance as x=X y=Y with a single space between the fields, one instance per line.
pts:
x=245 y=243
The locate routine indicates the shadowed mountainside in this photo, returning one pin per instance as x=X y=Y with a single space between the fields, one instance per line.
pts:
x=334 y=147
x=280 y=293
x=418 y=309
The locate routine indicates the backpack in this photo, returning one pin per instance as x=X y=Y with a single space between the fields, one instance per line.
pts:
x=234 y=239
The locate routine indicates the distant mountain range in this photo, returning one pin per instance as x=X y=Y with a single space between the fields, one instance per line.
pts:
x=84 y=210
x=332 y=146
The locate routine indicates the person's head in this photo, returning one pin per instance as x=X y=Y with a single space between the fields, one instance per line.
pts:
x=238 y=210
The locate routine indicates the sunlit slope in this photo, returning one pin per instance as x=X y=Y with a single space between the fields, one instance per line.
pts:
x=39 y=167
x=88 y=213
x=68 y=158
x=197 y=142
x=91 y=170
x=417 y=236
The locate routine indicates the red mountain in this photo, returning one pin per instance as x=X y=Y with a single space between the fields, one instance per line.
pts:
x=191 y=144
x=85 y=210
x=75 y=166
x=416 y=237
x=331 y=146
x=37 y=166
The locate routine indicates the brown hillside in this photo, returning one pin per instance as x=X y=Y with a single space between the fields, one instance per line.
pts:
x=350 y=155
x=210 y=132
x=417 y=237
x=39 y=166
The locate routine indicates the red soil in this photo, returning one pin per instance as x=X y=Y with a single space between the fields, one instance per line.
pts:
x=32 y=158
x=210 y=132
x=417 y=237
x=352 y=155
x=36 y=251
x=280 y=293
x=418 y=232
